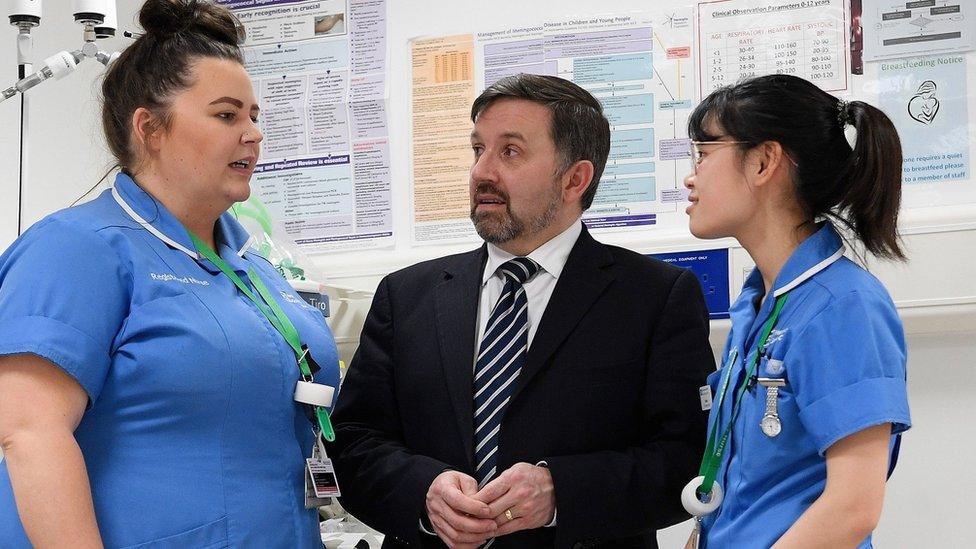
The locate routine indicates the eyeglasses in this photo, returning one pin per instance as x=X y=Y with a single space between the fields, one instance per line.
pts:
x=696 y=153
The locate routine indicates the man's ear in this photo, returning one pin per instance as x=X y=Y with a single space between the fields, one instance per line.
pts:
x=577 y=180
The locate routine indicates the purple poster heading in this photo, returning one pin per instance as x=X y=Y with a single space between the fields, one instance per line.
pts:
x=248 y=4
x=302 y=163
x=620 y=221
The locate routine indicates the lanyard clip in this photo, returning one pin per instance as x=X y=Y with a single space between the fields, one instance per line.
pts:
x=325 y=423
x=753 y=379
x=300 y=360
x=310 y=366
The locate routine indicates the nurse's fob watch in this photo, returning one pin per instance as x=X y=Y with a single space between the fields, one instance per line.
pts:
x=770 y=423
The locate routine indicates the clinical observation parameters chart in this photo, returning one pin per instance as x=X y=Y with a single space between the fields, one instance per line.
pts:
x=739 y=41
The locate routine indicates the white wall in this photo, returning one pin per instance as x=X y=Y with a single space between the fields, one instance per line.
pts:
x=66 y=150
x=929 y=501
x=926 y=504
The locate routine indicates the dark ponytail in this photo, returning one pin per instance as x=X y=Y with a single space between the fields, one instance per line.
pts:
x=874 y=170
x=859 y=188
x=158 y=64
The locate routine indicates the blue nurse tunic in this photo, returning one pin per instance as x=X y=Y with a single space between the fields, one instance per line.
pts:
x=840 y=347
x=192 y=438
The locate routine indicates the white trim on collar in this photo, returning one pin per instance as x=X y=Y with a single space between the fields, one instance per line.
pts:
x=250 y=242
x=145 y=224
x=809 y=272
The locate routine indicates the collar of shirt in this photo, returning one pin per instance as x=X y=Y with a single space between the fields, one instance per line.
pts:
x=813 y=255
x=232 y=239
x=551 y=256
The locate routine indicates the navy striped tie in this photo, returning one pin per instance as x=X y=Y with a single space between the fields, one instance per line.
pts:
x=500 y=359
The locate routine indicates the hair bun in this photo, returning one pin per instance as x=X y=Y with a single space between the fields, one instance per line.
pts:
x=166 y=18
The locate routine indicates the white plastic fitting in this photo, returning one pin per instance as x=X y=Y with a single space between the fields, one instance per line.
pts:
x=315 y=394
x=695 y=506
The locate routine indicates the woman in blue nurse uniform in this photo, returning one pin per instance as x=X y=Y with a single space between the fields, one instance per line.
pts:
x=811 y=397
x=146 y=400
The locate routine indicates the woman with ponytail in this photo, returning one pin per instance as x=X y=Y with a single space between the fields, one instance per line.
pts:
x=150 y=361
x=810 y=400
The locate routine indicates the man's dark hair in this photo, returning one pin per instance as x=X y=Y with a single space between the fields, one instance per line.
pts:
x=578 y=128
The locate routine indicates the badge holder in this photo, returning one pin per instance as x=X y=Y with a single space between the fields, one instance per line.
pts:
x=321 y=484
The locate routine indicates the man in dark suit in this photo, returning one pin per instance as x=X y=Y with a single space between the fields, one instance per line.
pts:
x=541 y=391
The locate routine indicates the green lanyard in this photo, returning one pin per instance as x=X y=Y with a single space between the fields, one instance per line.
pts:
x=713 y=452
x=277 y=317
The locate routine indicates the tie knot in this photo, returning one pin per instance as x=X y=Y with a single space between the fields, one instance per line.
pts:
x=519 y=269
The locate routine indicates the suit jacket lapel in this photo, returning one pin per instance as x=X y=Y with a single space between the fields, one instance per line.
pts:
x=456 y=307
x=582 y=281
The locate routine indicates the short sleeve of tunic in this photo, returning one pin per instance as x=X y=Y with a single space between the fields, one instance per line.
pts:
x=63 y=297
x=847 y=367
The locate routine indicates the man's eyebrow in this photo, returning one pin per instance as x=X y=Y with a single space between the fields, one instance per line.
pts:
x=506 y=135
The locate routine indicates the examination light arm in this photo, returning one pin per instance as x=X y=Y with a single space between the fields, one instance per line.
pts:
x=58 y=66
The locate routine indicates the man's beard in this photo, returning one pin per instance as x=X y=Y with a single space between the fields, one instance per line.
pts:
x=498 y=228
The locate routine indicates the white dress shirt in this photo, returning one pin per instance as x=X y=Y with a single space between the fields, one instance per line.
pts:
x=551 y=257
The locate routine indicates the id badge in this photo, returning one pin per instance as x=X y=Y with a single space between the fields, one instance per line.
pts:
x=705 y=396
x=321 y=484
x=695 y=537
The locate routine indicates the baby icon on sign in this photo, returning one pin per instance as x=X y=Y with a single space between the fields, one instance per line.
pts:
x=924 y=105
